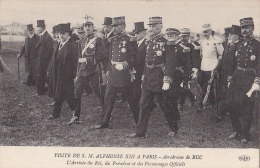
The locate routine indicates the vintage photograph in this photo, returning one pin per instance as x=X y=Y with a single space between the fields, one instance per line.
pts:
x=145 y=74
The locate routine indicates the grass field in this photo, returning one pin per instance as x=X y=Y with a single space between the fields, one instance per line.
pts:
x=23 y=121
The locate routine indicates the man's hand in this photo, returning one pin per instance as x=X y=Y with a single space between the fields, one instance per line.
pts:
x=75 y=80
x=194 y=73
x=119 y=67
x=254 y=87
x=166 y=86
x=82 y=60
x=18 y=56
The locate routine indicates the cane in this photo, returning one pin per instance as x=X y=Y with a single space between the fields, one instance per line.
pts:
x=18 y=66
x=4 y=64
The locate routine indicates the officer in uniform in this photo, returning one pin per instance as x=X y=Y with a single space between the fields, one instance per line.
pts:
x=30 y=55
x=189 y=61
x=226 y=70
x=211 y=52
x=122 y=54
x=246 y=76
x=140 y=33
x=91 y=53
x=158 y=76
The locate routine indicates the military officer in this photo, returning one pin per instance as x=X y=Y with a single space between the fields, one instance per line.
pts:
x=64 y=70
x=30 y=55
x=226 y=69
x=211 y=52
x=91 y=53
x=246 y=76
x=189 y=58
x=121 y=60
x=157 y=79
x=44 y=49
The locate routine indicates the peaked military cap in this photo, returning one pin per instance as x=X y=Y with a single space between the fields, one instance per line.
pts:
x=118 y=20
x=155 y=20
x=173 y=31
x=246 y=21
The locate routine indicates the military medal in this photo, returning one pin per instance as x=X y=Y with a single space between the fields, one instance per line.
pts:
x=159 y=53
x=252 y=57
x=123 y=50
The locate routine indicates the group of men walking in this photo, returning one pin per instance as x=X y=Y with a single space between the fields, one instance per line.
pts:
x=142 y=66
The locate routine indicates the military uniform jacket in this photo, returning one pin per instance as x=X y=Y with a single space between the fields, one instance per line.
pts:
x=92 y=48
x=121 y=50
x=44 y=50
x=64 y=69
x=29 y=52
x=158 y=67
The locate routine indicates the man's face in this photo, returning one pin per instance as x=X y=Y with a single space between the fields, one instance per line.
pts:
x=56 y=36
x=30 y=32
x=172 y=37
x=39 y=30
x=63 y=36
x=155 y=29
x=88 y=28
x=185 y=38
x=247 y=31
x=107 y=28
x=233 y=37
x=207 y=33
x=140 y=35
x=118 y=29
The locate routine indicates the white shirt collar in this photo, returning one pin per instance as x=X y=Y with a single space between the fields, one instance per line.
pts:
x=31 y=36
x=108 y=34
x=140 y=41
x=63 y=43
x=43 y=32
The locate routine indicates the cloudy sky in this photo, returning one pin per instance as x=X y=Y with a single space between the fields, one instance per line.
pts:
x=178 y=13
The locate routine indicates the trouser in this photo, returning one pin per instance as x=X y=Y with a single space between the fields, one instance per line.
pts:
x=137 y=89
x=110 y=97
x=185 y=92
x=58 y=105
x=203 y=80
x=40 y=83
x=30 y=80
x=83 y=83
x=241 y=118
x=146 y=107
x=222 y=94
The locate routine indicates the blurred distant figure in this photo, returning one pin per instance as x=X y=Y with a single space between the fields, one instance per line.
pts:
x=30 y=55
x=44 y=49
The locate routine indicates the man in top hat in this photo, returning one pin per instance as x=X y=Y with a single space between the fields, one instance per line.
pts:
x=30 y=55
x=44 y=49
x=64 y=69
x=140 y=33
x=50 y=73
x=121 y=60
x=226 y=34
x=158 y=77
x=211 y=53
x=226 y=70
x=245 y=78
x=91 y=53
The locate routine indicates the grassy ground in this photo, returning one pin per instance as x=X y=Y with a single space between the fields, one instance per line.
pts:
x=23 y=121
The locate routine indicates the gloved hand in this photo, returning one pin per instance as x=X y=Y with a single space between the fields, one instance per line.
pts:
x=82 y=60
x=166 y=86
x=119 y=67
x=254 y=87
x=194 y=73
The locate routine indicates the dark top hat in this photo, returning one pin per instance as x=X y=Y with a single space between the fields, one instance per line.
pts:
x=118 y=20
x=235 y=30
x=41 y=23
x=139 y=27
x=64 y=27
x=227 y=30
x=29 y=27
x=107 y=21
x=54 y=29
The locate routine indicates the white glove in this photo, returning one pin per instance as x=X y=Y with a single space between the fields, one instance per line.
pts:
x=82 y=60
x=166 y=86
x=119 y=67
x=254 y=87
x=195 y=73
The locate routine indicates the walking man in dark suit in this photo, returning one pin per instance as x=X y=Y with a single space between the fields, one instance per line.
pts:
x=44 y=49
x=30 y=55
x=64 y=70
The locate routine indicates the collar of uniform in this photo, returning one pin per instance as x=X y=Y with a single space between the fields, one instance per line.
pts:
x=156 y=37
x=140 y=41
x=120 y=35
